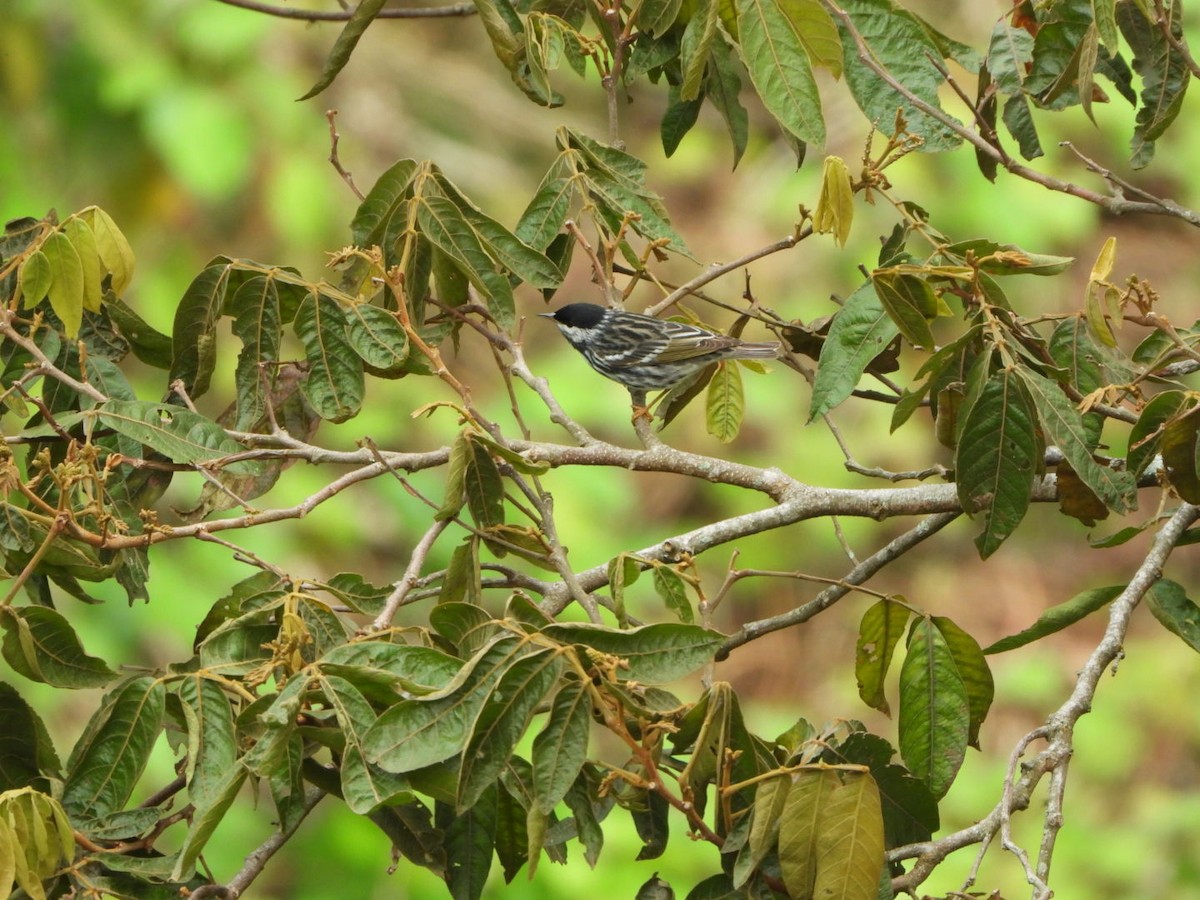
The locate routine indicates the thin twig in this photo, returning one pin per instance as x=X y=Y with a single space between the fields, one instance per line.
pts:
x=283 y=12
x=856 y=576
x=334 y=137
x=412 y=574
x=715 y=271
x=45 y=365
x=259 y=858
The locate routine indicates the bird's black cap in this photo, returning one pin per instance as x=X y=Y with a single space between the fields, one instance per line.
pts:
x=578 y=315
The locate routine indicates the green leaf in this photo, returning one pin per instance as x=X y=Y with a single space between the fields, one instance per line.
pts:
x=450 y=231
x=678 y=120
x=526 y=263
x=910 y=814
x=998 y=452
x=466 y=626
x=205 y=821
x=560 y=748
x=376 y=336
x=1164 y=73
x=547 y=211
x=40 y=643
x=212 y=741
x=483 y=486
x=1145 y=438
x=194 y=334
x=463 y=581
x=905 y=50
x=1175 y=611
x=27 y=755
x=779 y=68
x=179 y=434
x=974 y=671
x=935 y=717
x=365 y=787
x=722 y=84
x=644 y=216
x=469 y=838
x=387 y=672
x=655 y=654
x=110 y=757
x=504 y=27
x=725 y=403
x=656 y=16
x=579 y=800
x=671 y=588
x=859 y=332
x=770 y=798
x=358 y=593
x=502 y=721
x=817 y=33
x=418 y=733
x=1179 y=454
x=698 y=36
x=334 y=383
x=66 y=291
x=512 y=832
x=381 y=202
x=1063 y=426
x=256 y=323
x=1058 y=617
x=149 y=345
x=364 y=14
x=115 y=253
x=461 y=452
x=879 y=632
x=910 y=303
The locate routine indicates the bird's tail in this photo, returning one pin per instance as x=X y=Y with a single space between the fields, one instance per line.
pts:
x=751 y=350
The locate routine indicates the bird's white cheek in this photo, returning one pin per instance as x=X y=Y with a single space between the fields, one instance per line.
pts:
x=574 y=335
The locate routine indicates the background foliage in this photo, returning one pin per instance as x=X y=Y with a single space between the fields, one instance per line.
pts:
x=160 y=116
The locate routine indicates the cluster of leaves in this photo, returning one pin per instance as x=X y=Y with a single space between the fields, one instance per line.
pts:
x=1044 y=56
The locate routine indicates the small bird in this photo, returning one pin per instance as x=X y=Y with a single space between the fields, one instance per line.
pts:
x=644 y=353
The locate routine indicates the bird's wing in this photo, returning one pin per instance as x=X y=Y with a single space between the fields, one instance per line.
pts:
x=688 y=342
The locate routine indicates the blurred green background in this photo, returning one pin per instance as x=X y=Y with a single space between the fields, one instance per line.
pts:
x=179 y=118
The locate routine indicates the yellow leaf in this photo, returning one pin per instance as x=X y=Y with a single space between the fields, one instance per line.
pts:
x=835 y=206
x=34 y=278
x=83 y=239
x=1103 y=266
x=115 y=253
x=66 y=286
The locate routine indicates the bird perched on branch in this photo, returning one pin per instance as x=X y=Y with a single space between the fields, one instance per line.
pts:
x=644 y=353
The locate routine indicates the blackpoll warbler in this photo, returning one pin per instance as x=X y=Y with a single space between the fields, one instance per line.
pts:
x=644 y=353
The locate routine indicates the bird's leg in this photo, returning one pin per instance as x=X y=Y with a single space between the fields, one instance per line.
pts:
x=640 y=409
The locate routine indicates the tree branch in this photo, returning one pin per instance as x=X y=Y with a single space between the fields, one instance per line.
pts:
x=1116 y=205
x=1059 y=729
x=343 y=15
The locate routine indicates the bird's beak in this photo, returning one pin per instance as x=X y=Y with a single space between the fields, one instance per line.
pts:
x=545 y=315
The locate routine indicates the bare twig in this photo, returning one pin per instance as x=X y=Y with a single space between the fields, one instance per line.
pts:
x=259 y=858
x=412 y=574
x=868 y=567
x=45 y=365
x=715 y=271
x=334 y=137
x=307 y=15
